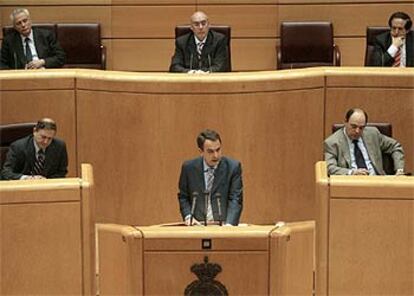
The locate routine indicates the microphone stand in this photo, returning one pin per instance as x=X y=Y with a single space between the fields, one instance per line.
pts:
x=218 y=197
x=206 y=195
x=193 y=203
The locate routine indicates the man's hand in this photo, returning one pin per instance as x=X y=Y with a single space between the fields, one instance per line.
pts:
x=36 y=64
x=398 y=41
x=399 y=172
x=35 y=177
x=363 y=172
x=195 y=222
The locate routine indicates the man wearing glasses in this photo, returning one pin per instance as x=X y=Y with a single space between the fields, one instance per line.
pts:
x=202 y=50
x=37 y=156
x=357 y=149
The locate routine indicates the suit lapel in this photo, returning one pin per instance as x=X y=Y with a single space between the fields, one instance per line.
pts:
x=370 y=146
x=208 y=46
x=344 y=147
x=219 y=174
x=21 y=58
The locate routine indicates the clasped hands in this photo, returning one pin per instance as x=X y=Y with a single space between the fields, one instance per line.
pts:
x=35 y=64
x=365 y=172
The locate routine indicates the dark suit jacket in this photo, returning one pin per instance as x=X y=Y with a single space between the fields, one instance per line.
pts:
x=227 y=182
x=21 y=157
x=214 y=55
x=383 y=42
x=47 y=47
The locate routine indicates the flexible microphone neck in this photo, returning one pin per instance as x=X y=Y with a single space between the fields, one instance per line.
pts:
x=209 y=63
x=193 y=203
x=206 y=196
x=218 y=198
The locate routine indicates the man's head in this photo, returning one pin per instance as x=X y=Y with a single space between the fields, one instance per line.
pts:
x=200 y=25
x=44 y=132
x=355 y=122
x=399 y=23
x=209 y=144
x=20 y=18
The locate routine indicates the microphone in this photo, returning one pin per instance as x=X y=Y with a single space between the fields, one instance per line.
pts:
x=206 y=195
x=218 y=197
x=209 y=63
x=191 y=61
x=193 y=203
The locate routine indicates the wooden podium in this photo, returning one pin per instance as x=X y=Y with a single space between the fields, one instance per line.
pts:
x=365 y=234
x=178 y=260
x=47 y=236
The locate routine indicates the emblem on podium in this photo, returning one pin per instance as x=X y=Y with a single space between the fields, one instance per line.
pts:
x=206 y=284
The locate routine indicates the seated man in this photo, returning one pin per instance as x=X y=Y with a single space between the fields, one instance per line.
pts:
x=37 y=156
x=396 y=47
x=202 y=50
x=27 y=48
x=357 y=150
x=213 y=177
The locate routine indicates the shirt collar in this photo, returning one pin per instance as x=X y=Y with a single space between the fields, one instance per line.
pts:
x=206 y=166
x=198 y=41
x=349 y=140
x=30 y=36
x=37 y=148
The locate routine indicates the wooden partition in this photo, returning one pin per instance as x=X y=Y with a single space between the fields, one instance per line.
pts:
x=47 y=236
x=145 y=42
x=158 y=260
x=365 y=234
x=137 y=128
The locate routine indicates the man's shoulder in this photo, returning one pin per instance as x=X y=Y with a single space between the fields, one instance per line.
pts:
x=22 y=142
x=217 y=35
x=335 y=137
x=230 y=161
x=383 y=37
x=184 y=38
x=58 y=142
x=192 y=162
x=12 y=35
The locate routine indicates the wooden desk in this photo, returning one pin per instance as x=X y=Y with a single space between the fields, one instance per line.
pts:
x=254 y=260
x=365 y=234
x=47 y=236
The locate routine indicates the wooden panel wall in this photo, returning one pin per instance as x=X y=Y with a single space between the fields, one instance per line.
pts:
x=27 y=100
x=136 y=129
x=139 y=34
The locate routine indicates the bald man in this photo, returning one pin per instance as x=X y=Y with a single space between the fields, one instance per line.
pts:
x=37 y=156
x=202 y=50
x=357 y=150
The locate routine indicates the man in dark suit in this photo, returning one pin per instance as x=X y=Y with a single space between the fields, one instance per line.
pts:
x=202 y=50
x=27 y=48
x=211 y=186
x=396 y=47
x=357 y=150
x=37 y=156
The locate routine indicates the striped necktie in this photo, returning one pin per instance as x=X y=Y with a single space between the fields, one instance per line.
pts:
x=200 y=48
x=397 y=58
x=209 y=186
x=39 y=165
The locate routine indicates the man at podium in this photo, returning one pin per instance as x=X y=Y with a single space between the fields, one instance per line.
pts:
x=210 y=186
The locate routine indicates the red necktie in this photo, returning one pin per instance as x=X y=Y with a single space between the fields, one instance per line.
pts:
x=397 y=58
